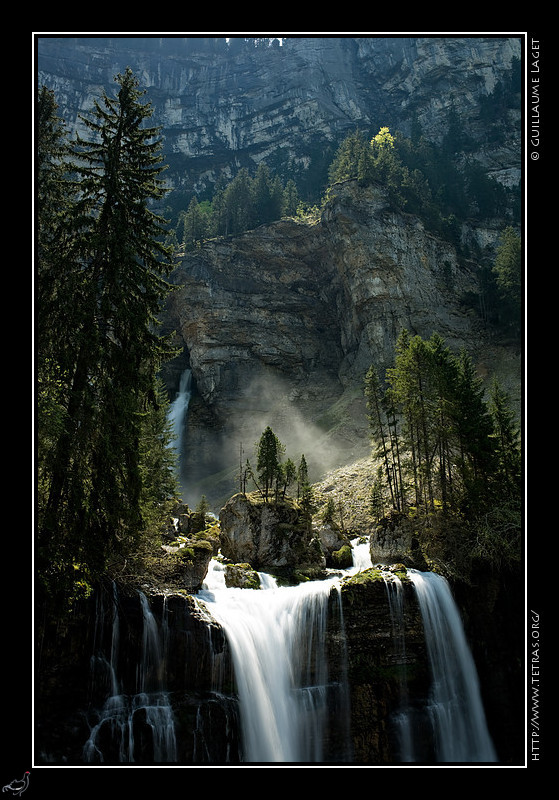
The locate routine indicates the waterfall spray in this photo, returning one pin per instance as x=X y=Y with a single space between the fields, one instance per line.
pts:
x=277 y=639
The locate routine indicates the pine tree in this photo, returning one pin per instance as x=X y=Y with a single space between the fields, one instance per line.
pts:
x=290 y=199
x=269 y=454
x=352 y=159
x=302 y=476
x=116 y=275
x=409 y=393
x=474 y=449
x=237 y=205
x=53 y=286
x=379 y=435
x=195 y=224
x=506 y=437
x=508 y=274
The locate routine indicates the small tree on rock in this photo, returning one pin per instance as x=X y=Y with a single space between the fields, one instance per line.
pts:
x=269 y=453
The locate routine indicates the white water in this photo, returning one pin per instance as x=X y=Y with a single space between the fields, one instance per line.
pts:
x=456 y=709
x=395 y=591
x=150 y=704
x=277 y=637
x=179 y=410
x=287 y=700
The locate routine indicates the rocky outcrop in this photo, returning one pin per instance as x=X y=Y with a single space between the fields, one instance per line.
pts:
x=388 y=672
x=276 y=537
x=241 y=576
x=103 y=647
x=394 y=540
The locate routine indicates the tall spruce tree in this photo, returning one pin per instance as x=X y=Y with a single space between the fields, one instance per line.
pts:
x=116 y=276
x=380 y=434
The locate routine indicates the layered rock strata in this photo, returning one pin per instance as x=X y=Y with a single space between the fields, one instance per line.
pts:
x=280 y=325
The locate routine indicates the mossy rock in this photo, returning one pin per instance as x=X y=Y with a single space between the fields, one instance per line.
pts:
x=342 y=558
x=241 y=576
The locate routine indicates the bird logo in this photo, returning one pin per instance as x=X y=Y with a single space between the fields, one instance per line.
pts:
x=17 y=787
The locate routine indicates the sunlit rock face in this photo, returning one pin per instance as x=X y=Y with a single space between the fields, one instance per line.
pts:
x=280 y=325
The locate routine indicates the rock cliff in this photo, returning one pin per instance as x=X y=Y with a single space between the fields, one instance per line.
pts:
x=221 y=106
x=279 y=326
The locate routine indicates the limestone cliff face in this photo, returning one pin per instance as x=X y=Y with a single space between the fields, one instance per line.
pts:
x=280 y=325
x=223 y=106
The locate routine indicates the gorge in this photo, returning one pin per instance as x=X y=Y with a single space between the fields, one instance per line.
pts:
x=260 y=631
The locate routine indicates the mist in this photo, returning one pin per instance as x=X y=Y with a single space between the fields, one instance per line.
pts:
x=320 y=422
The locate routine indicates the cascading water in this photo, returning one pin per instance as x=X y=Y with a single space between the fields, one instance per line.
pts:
x=292 y=689
x=146 y=714
x=179 y=409
x=456 y=709
x=395 y=592
x=277 y=638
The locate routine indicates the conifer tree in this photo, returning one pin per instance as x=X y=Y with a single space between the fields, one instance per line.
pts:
x=302 y=476
x=290 y=199
x=269 y=454
x=54 y=291
x=409 y=392
x=506 y=437
x=116 y=275
x=508 y=275
x=474 y=451
x=352 y=160
x=194 y=224
x=378 y=430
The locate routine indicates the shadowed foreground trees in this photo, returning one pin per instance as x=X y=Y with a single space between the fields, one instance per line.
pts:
x=102 y=461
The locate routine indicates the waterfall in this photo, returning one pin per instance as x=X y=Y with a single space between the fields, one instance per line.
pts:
x=403 y=717
x=277 y=638
x=456 y=709
x=361 y=555
x=179 y=409
x=287 y=647
x=143 y=719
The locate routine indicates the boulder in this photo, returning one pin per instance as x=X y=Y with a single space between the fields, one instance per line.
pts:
x=182 y=567
x=241 y=576
x=392 y=540
x=331 y=538
x=270 y=536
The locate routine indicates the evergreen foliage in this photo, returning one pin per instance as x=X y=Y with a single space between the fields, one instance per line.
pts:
x=103 y=461
x=508 y=277
x=440 y=443
x=269 y=454
x=274 y=476
x=237 y=206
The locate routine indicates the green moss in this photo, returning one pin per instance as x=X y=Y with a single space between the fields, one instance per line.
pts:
x=342 y=558
x=370 y=575
x=242 y=576
x=194 y=550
